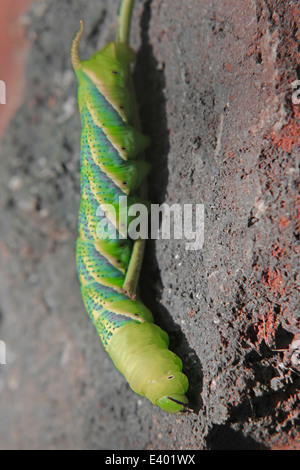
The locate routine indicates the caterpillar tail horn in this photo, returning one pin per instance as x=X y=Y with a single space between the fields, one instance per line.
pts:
x=75 y=47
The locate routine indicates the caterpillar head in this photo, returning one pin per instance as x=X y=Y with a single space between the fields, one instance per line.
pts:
x=173 y=404
x=172 y=388
x=140 y=352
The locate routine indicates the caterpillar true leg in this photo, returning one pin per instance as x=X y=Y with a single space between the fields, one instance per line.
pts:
x=108 y=263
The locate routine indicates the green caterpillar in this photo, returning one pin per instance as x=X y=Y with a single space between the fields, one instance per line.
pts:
x=109 y=269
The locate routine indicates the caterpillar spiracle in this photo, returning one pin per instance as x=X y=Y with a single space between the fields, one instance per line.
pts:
x=111 y=167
